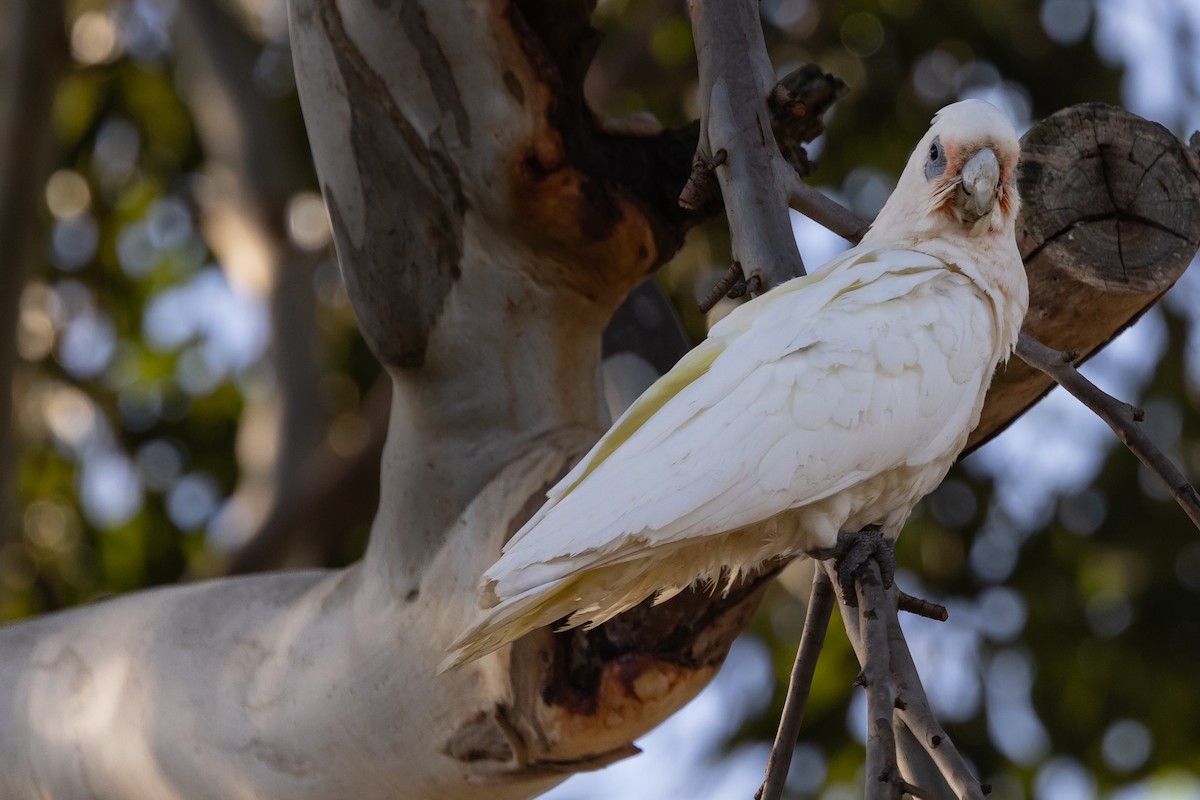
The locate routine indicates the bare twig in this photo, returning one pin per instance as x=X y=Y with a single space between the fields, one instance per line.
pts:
x=723 y=288
x=735 y=79
x=922 y=608
x=816 y=622
x=1121 y=417
x=916 y=719
x=702 y=183
x=826 y=212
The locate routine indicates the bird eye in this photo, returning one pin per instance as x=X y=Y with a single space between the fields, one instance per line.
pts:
x=936 y=164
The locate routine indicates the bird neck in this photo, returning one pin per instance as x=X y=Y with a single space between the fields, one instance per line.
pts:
x=993 y=262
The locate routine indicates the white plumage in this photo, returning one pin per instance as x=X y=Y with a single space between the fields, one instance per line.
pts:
x=831 y=403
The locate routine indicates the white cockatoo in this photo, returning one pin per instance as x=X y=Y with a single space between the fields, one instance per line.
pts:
x=830 y=404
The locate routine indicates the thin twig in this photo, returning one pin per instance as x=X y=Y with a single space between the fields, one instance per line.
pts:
x=915 y=791
x=816 y=622
x=922 y=608
x=1121 y=417
x=921 y=727
x=881 y=700
x=723 y=288
x=701 y=185
x=826 y=212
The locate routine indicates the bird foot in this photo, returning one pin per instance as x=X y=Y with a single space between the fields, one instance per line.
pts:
x=851 y=554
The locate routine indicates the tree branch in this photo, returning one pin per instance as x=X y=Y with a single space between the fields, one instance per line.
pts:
x=922 y=607
x=816 y=622
x=1120 y=416
x=912 y=706
x=881 y=698
x=917 y=715
x=736 y=137
x=825 y=211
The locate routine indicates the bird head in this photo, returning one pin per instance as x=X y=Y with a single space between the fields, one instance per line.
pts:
x=962 y=176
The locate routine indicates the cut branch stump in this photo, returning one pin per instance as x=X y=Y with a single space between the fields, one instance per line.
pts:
x=1110 y=220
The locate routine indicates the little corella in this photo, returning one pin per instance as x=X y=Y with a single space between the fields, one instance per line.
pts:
x=831 y=404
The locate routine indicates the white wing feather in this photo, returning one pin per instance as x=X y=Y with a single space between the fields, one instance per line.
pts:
x=809 y=393
x=875 y=365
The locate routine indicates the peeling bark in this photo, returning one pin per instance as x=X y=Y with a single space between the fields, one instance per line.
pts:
x=402 y=264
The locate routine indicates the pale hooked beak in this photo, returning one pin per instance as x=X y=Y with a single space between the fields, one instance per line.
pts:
x=980 y=184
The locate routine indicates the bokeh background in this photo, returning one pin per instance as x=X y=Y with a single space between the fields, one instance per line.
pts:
x=188 y=383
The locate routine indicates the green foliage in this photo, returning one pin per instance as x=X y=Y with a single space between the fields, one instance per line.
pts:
x=127 y=440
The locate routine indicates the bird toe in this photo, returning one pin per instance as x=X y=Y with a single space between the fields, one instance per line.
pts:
x=854 y=551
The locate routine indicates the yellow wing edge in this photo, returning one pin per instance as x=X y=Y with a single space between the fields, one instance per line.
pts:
x=690 y=368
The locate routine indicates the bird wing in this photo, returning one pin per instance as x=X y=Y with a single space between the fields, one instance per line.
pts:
x=828 y=380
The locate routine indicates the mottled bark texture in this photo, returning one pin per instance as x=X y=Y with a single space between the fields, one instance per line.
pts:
x=535 y=220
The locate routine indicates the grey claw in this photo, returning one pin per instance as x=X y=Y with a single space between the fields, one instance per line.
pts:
x=854 y=551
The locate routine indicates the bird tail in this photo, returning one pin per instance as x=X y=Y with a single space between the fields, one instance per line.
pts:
x=588 y=598
x=512 y=619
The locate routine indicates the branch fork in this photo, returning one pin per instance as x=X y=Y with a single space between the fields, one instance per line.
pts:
x=896 y=700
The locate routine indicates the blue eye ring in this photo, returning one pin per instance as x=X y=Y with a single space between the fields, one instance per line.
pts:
x=936 y=163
